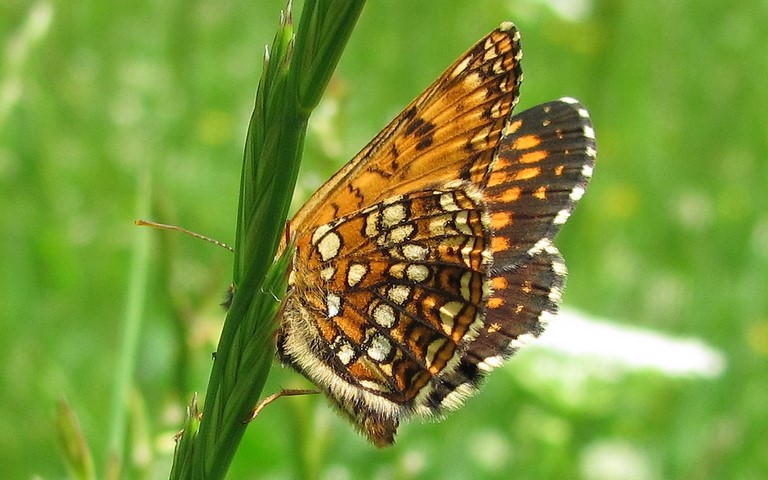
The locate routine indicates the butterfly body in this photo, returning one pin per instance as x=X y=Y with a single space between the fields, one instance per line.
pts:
x=428 y=259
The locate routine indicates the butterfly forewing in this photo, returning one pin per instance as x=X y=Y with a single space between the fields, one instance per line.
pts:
x=455 y=123
x=428 y=259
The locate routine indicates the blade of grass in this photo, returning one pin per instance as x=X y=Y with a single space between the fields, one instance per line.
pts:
x=296 y=72
x=72 y=443
x=134 y=310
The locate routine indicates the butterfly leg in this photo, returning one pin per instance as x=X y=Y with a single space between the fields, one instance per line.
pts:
x=290 y=392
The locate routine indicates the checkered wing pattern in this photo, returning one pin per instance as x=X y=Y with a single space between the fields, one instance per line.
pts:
x=428 y=260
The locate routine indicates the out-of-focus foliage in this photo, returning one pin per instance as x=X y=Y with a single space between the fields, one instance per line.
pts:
x=672 y=234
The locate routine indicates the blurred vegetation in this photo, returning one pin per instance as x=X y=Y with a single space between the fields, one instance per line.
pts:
x=673 y=234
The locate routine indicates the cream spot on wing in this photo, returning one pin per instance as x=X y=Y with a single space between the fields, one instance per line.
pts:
x=461 y=220
x=432 y=350
x=448 y=203
x=380 y=348
x=384 y=315
x=559 y=268
x=401 y=233
x=393 y=214
x=466 y=251
x=319 y=232
x=490 y=363
x=522 y=340
x=448 y=313
x=375 y=386
x=577 y=193
x=399 y=293
x=329 y=246
x=437 y=226
x=345 y=353
x=417 y=273
x=415 y=253
x=457 y=396
x=371 y=224
x=356 y=273
x=562 y=216
x=327 y=273
x=333 y=302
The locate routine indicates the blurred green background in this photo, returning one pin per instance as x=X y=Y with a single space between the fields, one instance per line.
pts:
x=96 y=97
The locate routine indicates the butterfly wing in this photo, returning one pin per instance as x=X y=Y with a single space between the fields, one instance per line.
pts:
x=541 y=170
x=454 y=124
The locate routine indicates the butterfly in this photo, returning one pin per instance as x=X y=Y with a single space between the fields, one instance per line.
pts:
x=427 y=260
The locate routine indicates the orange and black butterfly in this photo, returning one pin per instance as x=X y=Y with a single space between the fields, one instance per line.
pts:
x=428 y=259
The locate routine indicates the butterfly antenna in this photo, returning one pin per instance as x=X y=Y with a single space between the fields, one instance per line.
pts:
x=162 y=226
